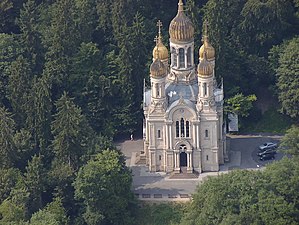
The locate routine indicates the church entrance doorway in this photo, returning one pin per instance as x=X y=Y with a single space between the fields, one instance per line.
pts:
x=183 y=159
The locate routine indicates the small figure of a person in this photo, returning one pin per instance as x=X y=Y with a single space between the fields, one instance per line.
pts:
x=132 y=137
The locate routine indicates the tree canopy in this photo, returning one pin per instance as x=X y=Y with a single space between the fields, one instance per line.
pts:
x=71 y=80
x=248 y=197
x=104 y=184
x=288 y=78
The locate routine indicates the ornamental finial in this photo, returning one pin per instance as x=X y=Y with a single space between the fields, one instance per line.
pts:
x=159 y=25
x=205 y=23
x=181 y=6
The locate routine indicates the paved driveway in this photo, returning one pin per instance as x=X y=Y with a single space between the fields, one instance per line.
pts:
x=157 y=186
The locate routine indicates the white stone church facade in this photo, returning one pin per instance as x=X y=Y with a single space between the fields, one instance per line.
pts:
x=183 y=110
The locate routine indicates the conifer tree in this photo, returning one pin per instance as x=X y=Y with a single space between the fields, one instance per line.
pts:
x=9 y=179
x=60 y=40
x=70 y=132
x=24 y=148
x=19 y=83
x=86 y=19
x=30 y=37
x=39 y=114
x=7 y=146
x=35 y=181
x=10 y=50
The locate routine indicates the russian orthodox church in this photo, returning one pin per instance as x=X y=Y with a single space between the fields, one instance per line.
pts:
x=183 y=110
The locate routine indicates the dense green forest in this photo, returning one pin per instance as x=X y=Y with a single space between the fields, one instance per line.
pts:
x=71 y=79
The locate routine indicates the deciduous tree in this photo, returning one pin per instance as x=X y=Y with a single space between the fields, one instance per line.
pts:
x=240 y=104
x=290 y=142
x=288 y=78
x=52 y=214
x=104 y=185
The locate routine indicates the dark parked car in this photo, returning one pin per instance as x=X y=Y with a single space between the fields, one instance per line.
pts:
x=267 y=151
x=267 y=156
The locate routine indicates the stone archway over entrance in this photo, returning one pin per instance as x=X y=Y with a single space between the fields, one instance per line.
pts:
x=183 y=157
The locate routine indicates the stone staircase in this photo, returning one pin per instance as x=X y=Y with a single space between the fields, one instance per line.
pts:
x=184 y=175
x=140 y=159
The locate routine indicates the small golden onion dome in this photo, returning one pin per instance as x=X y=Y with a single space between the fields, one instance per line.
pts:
x=205 y=68
x=181 y=27
x=206 y=47
x=160 y=51
x=158 y=69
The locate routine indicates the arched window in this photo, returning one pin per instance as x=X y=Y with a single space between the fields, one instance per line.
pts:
x=187 y=129
x=174 y=57
x=182 y=128
x=189 y=57
x=181 y=58
x=177 y=129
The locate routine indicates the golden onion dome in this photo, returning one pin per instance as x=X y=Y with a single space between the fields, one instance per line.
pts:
x=160 y=51
x=205 y=68
x=181 y=27
x=206 y=47
x=158 y=69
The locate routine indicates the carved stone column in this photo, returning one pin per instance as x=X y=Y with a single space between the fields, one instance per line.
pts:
x=186 y=62
x=197 y=136
x=170 y=137
x=189 y=162
x=177 y=161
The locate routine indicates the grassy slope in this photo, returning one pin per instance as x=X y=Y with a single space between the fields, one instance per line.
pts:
x=271 y=122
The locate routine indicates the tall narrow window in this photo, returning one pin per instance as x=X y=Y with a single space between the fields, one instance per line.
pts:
x=204 y=89
x=189 y=57
x=174 y=57
x=159 y=133
x=182 y=128
x=207 y=157
x=206 y=133
x=157 y=90
x=187 y=129
x=181 y=58
x=177 y=129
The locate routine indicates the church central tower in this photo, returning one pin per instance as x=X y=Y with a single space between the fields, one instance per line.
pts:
x=183 y=110
x=181 y=32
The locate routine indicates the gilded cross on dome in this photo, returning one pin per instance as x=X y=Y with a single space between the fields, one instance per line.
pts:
x=159 y=25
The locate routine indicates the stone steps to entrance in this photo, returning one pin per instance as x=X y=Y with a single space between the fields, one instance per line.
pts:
x=184 y=175
x=140 y=159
